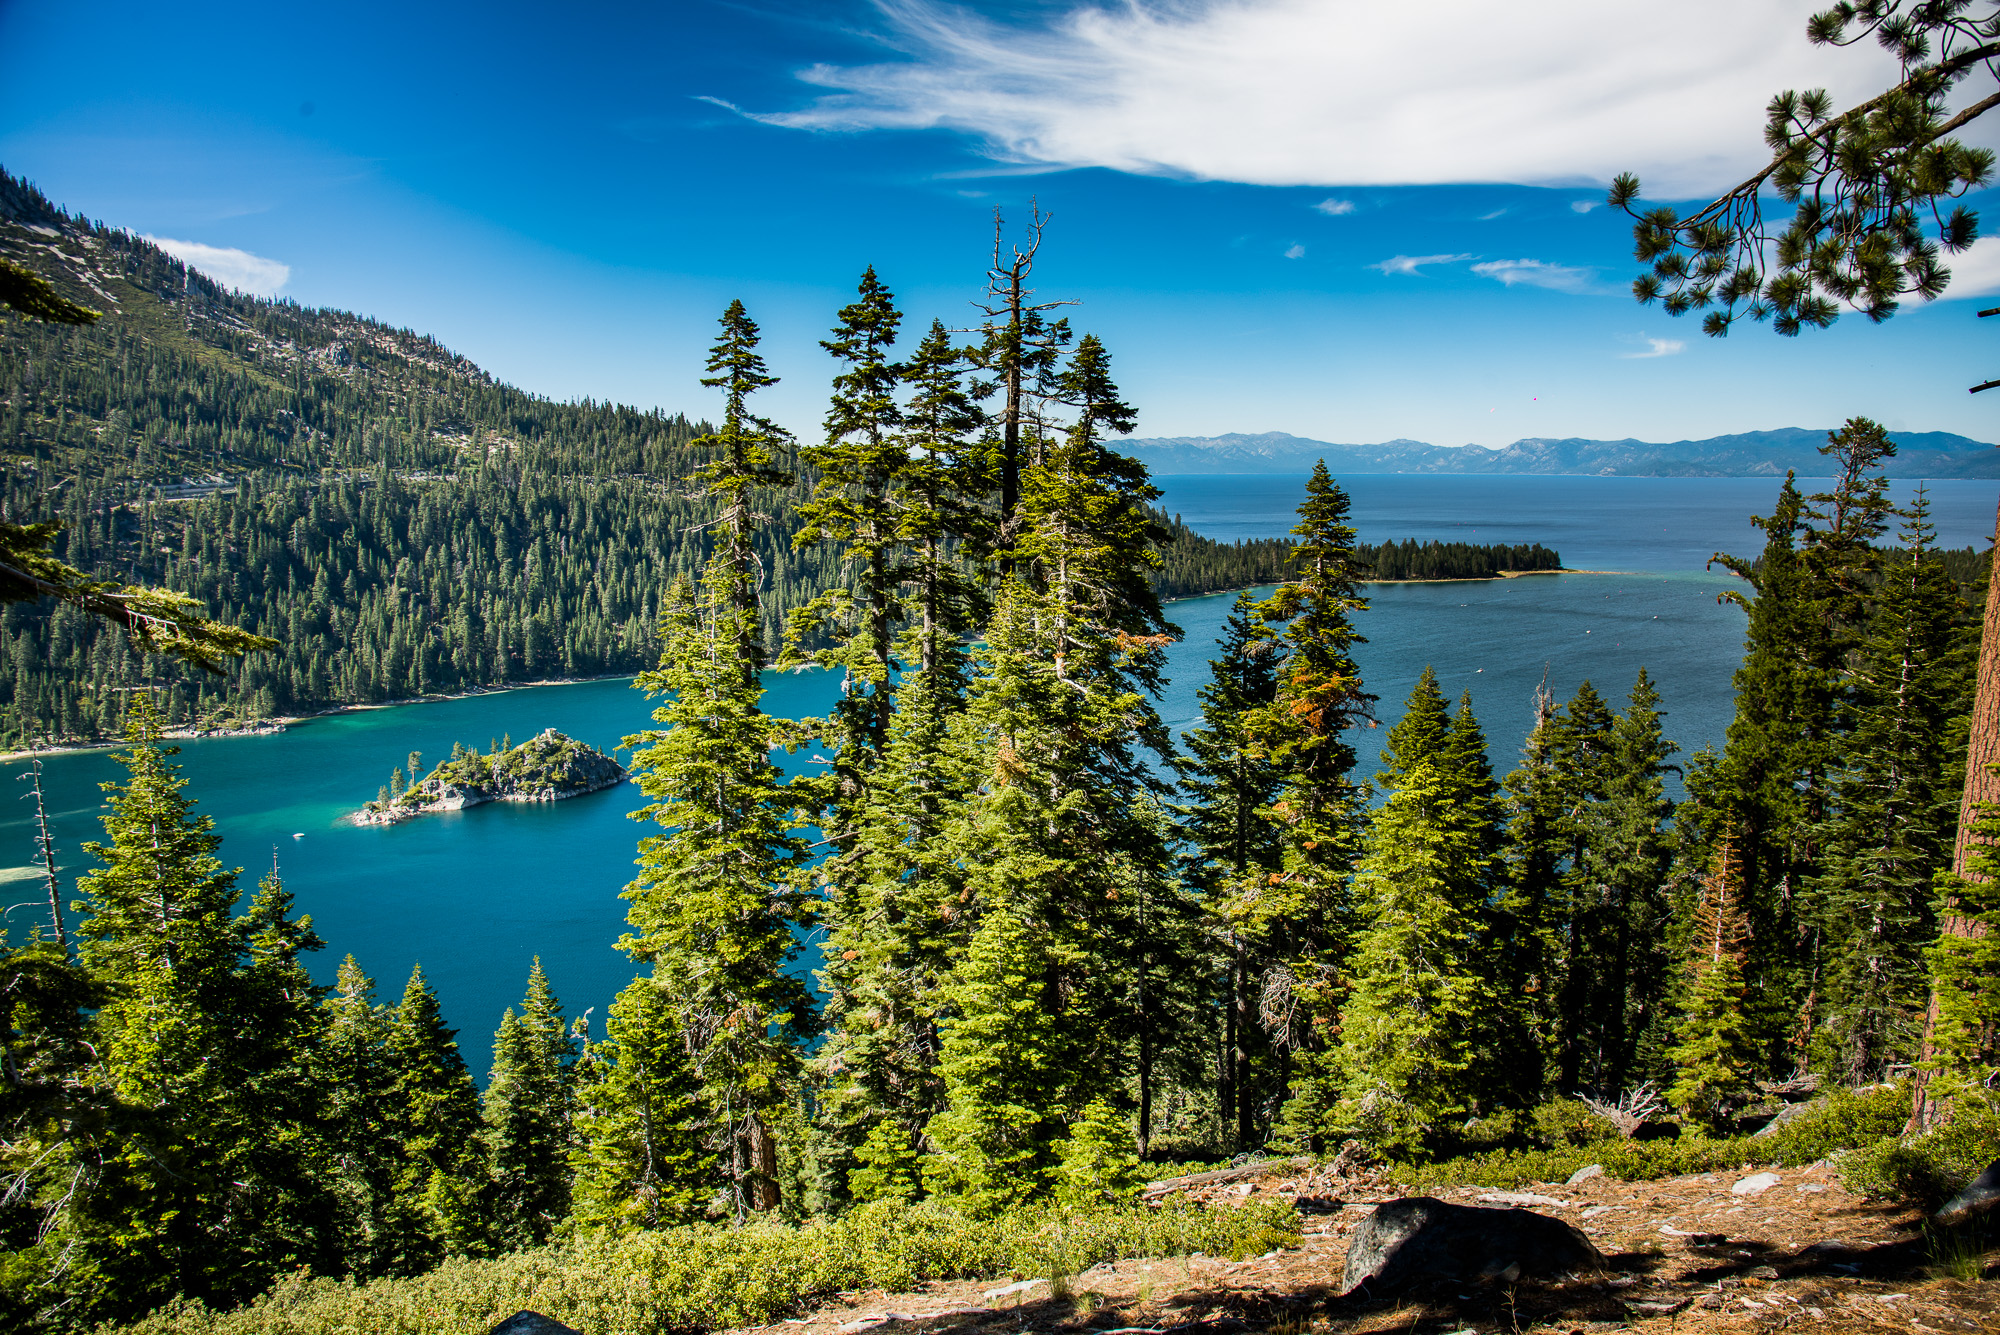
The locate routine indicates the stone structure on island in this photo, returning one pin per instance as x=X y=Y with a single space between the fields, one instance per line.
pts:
x=546 y=768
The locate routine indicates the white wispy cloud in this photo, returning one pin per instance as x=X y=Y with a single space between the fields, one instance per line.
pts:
x=1297 y=252
x=1338 y=92
x=1410 y=264
x=1584 y=205
x=1975 y=271
x=1540 y=273
x=230 y=267
x=1334 y=208
x=1659 y=347
x=1489 y=217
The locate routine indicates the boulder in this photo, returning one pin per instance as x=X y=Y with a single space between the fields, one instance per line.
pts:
x=1419 y=1238
x=1978 y=1198
x=1790 y=1112
x=532 y=1323
x=1756 y=1184
x=1585 y=1173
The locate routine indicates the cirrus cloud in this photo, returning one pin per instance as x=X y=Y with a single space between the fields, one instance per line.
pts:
x=1412 y=264
x=1541 y=273
x=230 y=267
x=1342 y=92
x=1659 y=347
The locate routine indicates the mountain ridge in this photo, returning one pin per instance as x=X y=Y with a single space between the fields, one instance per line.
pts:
x=1921 y=454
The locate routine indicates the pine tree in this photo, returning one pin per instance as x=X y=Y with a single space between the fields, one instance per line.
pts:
x=716 y=899
x=1305 y=912
x=1619 y=965
x=1066 y=857
x=859 y=467
x=1896 y=799
x=1416 y=1034
x=285 y=1151
x=640 y=1160
x=528 y=1106
x=160 y=935
x=1229 y=784
x=352 y=1078
x=439 y=1179
x=1715 y=1054
x=744 y=448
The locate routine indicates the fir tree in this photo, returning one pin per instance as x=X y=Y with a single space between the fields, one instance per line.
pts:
x=1416 y=1034
x=743 y=451
x=1896 y=798
x=438 y=1183
x=1619 y=965
x=640 y=1160
x=1714 y=1054
x=715 y=902
x=159 y=932
x=1304 y=913
x=1066 y=857
x=528 y=1106
x=1232 y=849
x=352 y=1079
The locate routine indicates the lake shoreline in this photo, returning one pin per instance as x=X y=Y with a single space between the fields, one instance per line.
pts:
x=273 y=726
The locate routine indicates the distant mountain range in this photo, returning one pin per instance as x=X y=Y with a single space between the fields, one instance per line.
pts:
x=1920 y=454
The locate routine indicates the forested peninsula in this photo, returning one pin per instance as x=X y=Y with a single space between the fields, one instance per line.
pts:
x=400 y=522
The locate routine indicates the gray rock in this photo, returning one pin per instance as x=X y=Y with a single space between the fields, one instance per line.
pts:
x=532 y=1323
x=1790 y=1112
x=1585 y=1173
x=1420 y=1238
x=1978 y=1198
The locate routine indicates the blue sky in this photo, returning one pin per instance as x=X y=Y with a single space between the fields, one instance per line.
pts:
x=570 y=194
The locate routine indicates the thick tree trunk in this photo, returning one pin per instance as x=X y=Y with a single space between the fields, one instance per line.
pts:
x=1982 y=785
x=763 y=1148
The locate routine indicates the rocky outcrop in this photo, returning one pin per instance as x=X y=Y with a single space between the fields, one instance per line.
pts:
x=546 y=768
x=1420 y=1239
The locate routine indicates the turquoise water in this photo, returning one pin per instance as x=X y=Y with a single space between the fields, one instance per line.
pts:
x=475 y=895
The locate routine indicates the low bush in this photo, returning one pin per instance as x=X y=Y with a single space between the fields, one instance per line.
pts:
x=1928 y=1169
x=1846 y=1120
x=681 y=1280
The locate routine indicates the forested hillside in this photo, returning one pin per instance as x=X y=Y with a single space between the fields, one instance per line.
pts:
x=400 y=521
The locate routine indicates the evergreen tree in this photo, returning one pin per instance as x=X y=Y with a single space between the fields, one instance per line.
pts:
x=640 y=1160
x=1066 y=858
x=286 y=1151
x=1229 y=783
x=1715 y=1055
x=743 y=451
x=352 y=1080
x=160 y=934
x=859 y=467
x=438 y=1204
x=529 y=1106
x=1416 y=1035
x=1896 y=798
x=1304 y=914
x=715 y=902
x=1619 y=965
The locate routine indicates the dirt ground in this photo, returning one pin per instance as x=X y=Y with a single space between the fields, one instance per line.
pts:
x=1685 y=1254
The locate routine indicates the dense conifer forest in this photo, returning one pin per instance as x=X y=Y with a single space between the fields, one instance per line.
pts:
x=1055 y=943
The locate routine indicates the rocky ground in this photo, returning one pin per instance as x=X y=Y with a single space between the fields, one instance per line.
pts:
x=1690 y=1254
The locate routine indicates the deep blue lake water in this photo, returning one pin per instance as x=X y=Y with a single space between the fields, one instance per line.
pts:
x=475 y=895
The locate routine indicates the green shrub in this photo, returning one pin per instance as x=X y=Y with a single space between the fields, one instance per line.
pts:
x=1846 y=1121
x=1561 y=1122
x=707 y=1277
x=1495 y=1129
x=1927 y=1169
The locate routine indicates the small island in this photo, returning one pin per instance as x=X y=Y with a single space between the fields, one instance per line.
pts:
x=546 y=768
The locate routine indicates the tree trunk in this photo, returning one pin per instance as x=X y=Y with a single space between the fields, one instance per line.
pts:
x=763 y=1148
x=1982 y=785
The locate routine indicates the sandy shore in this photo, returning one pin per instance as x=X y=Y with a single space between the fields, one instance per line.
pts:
x=268 y=727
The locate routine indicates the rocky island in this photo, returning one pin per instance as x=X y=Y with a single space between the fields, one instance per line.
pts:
x=546 y=768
